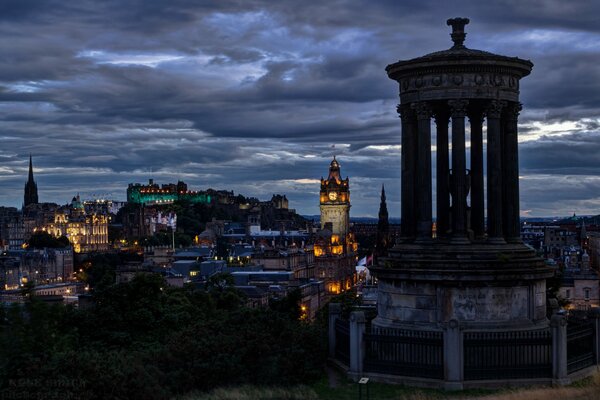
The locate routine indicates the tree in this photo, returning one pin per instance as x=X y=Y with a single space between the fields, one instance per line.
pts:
x=288 y=305
x=42 y=239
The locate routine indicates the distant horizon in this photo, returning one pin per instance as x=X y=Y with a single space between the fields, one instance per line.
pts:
x=264 y=197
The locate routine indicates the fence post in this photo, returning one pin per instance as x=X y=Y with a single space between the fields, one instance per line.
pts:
x=335 y=310
x=357 y=344
x=558 y=322
x=453 y=356
x=595 y=315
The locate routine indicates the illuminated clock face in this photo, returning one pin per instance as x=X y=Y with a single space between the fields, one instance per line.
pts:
x=332 y=196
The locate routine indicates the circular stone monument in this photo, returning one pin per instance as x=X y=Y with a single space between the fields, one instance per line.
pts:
x=473 y=268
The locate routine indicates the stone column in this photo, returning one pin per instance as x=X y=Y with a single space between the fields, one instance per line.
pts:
x=558 y=323
x=408 y=164
x=335 y=310
x=458 y=185
x=511 y=222
x=442 y=177
x=423 y=171
x=494 y=172
x=477 y=190
x=453 y=356
x=357 y=344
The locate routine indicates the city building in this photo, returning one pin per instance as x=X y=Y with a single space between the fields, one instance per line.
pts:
x=335 y=201
x=103 y=206
x=61 y=292
x=580 y=283
x=86 y=232
x=40 y=266
x=335 y=247
x=9 y=218
x=298 y=260
x=533 y=234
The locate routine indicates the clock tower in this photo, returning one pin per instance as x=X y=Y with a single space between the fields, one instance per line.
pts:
x=335 y=201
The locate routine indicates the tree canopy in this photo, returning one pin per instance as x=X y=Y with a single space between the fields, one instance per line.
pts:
x=41 y=240
x=146 y=340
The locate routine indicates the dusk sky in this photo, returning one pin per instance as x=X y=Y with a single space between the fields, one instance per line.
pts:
x=251 y=96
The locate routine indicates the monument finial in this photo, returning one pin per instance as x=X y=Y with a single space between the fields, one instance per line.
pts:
x=458 y=31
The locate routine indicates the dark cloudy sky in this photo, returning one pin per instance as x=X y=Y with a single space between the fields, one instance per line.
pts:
x=251 y=95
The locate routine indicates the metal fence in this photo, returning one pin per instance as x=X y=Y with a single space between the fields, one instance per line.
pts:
x=507 y=355
x=580 y=344
x=542 y=354
x=342 y=340
x=404 y=352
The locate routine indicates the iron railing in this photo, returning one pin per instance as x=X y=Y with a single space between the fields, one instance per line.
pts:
x=342 y=341
x=580 y=344
x=404 y=352
x=507 y=355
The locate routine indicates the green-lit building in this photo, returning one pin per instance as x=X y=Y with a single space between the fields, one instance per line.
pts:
x=154 y=194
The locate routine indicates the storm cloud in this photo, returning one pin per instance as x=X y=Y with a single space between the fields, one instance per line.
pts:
x=252 y=95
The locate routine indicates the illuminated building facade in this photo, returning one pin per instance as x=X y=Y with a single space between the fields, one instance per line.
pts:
x=152 y=194
x=335 y=247
x=40 y=266
x=86 y=232
x=335 y=201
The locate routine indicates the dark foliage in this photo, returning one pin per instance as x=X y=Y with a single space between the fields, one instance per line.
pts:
x=41 y=240
x=145 y=340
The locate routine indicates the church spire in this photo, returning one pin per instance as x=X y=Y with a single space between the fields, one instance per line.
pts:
x=30 y=168
x=383 y=226
x=383 y=205
x=31 y=194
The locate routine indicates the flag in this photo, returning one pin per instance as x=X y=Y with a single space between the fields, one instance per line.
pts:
x=362 y=262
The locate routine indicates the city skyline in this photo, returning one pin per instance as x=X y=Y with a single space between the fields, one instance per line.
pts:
x=252 y=98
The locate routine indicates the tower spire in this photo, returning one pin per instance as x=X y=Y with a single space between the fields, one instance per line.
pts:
x=383 y=226
x=31 y=194
x=30 y=169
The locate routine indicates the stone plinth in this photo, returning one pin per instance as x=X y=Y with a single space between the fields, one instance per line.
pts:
x=479 y=285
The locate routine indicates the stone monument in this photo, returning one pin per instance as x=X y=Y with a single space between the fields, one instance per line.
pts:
x=477 y=274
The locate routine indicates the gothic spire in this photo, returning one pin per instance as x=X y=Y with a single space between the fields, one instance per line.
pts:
x=383 y=204
x=31 y=194
x=383 y=226
x=30 y=169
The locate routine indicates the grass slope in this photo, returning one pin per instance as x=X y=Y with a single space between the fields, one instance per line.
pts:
x=588 y=389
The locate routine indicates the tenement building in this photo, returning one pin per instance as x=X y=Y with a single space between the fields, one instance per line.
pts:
x=335 y=247
x=464 y=307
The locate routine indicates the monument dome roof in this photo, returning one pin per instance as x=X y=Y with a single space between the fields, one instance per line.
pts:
x=459 y=56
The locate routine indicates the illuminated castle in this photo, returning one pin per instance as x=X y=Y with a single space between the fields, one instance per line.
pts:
x=335 y=247
x=168 y=193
